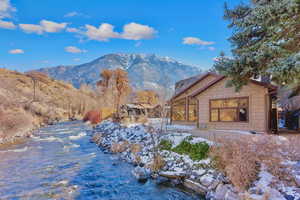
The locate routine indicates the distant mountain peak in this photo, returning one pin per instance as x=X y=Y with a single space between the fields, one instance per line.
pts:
x=145 y=71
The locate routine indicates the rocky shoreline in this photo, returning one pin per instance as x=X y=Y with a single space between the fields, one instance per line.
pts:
x=139 y=144
x=198 y=176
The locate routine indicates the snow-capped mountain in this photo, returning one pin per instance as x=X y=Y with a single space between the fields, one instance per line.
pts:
x=145 y=71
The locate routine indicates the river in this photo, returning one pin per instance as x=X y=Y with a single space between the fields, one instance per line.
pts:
x=60 y=162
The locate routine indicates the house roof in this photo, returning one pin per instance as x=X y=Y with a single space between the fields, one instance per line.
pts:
x=271 y=87
x=198 y=79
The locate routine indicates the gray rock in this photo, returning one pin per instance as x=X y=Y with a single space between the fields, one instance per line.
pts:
x=161 y=180
x=231 y=196
x=297 y=180
x=221 y=191
x=173 y=174
x=207 y=180
x=197 y=187
x=141 y=173
x=275 y=194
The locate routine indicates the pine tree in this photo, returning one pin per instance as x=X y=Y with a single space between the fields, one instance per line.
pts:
x=265 y=42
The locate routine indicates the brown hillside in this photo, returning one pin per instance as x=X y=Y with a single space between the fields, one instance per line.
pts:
x=22 y=109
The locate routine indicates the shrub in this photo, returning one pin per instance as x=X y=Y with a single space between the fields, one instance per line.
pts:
x=165 y=145
x=196 y=151
x=92 y=116
x=237 y=161
x=119 y=147
x=241 y=158
x=135 y=148
x=157 y=163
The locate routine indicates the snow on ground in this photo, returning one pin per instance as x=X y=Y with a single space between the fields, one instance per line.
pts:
x=177 y=163
x=174 y=127
x=176 y=138
x=196 y=140
x=235 y=131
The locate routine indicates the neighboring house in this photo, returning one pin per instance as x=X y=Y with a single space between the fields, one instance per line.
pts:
x=141 y=109
x=209 y=104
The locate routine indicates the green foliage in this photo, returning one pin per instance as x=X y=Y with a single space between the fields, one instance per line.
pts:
x=265 y=42
x=196 y=151
x=165 y=145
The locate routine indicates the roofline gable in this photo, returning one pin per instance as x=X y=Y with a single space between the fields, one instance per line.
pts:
x=195 y=82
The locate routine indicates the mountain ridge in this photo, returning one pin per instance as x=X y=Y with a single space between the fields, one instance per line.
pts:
x=145 y=71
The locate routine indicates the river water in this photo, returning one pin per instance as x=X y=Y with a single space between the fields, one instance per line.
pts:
x=60 y=162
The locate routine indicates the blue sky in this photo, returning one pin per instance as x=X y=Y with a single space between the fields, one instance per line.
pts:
x=43 y=33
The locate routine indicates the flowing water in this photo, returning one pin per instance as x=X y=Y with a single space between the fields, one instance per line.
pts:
x=60 y=162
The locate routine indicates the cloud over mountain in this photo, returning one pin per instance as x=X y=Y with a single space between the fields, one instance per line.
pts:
x=44 y=26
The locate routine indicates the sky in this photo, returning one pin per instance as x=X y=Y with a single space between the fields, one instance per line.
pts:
x=45 y=33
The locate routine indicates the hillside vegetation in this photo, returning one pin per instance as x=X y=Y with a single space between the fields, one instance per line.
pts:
x=22 y=109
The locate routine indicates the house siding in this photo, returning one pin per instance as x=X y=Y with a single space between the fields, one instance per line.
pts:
x=258 y=107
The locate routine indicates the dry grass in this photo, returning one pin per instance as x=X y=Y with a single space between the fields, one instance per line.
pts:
x=53 y=100
x=135 y=148
x=119 y=147
x=240 y=159
x=13 y=121
x=97 y=138
x=157 y=164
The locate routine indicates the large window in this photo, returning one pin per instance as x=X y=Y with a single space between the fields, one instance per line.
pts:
x=178 y=110
x=229 y=110
x=192 y=110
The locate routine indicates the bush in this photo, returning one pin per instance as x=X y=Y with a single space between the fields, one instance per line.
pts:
x=165 y=145
x=135 y=148
x=92 y=116
x=241 y=158
x=236 y=160
x=196 y=151
x=119 y=147
x=157 y=164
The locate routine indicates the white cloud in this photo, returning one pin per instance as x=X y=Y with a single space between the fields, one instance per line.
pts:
x=76 y=59
x=73 y=49
x=211 y=48
x=52 y=27
x=16 y=51
x=72 y=14
x=7 y=25
x=31 y=28
x=134 y=31
x=44 y=26
x=6 y=9
x=103 y=33
x=76 y=14
x=73 y=30
x=196 y=41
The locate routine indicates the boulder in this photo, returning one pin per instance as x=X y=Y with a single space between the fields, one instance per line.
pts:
x=207 y=180
x=141 y=173
x=197 y=187
x=173 y=174
x=221 y=191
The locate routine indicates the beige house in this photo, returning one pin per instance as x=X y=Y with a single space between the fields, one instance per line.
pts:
x=206 y=102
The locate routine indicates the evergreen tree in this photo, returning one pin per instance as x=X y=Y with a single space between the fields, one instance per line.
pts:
x=265 y=42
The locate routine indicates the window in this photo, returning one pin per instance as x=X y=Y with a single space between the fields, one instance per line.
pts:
x=229 y=110
x=178 y=110
x=192 y=110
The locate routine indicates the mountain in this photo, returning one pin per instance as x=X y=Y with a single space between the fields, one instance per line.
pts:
x=145 y=71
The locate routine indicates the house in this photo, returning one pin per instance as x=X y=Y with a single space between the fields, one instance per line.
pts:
x=208 y=103
x=139 y=109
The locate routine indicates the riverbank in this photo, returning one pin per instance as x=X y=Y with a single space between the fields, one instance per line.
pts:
x=32 y=100
x=60 y=162
x=174 y=157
